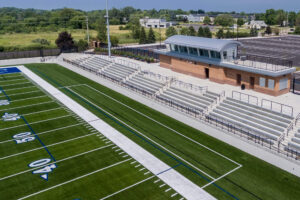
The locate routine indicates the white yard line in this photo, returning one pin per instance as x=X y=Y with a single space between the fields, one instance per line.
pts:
x=53 y=130
x=231 y=171
x=69 y=86
x=20 y=88
x=26 y=106
x=15 y=84
x=58 y=161
x=50 y=145
x=43 y=111
x=15 y=94
x=192 y=140
x=126 y=188
x=75 y=179
x=147 y=137
x=36 y=122
x=174 y=179
x=13 y=80
x=29 y=98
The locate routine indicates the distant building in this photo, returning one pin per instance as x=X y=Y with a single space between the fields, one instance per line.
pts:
x=196 y=17
x=256 y=24
x=156 y=23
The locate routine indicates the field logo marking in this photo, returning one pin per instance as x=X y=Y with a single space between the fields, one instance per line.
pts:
x=45 y=170
x=23 y=137
x=4 y=102
x=11 y=117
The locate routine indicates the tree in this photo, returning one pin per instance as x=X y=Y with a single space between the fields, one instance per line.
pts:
x=184 y=31
x=229 y=34
x=297 y=30
x=82 y=45
x=65 y=41
x=240 y=22
x=191 y=31
x=220 y=33
x=270 y=16
x=114 y=40
x=253 y=32
x=206 y=20
x=102 y=31
x=171 y=31
x=292 y=19
x=200 y=32
x=142 y=37
x=224 y=20
x=151 y=36
x=268 y=30
x=280 y=17
x=207 y=32
x=297 y=21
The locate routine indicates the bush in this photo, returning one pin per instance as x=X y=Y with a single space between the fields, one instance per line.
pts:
x=114 y=40
x=41 y=42
x=82 y=45
x=1 y=48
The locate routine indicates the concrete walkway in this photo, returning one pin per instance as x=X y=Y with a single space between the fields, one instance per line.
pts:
x=236 y=141
x=171 y=177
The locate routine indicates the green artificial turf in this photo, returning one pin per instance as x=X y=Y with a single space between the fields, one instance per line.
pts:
x=256 y=179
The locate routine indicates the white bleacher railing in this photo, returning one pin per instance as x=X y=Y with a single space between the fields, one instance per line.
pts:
x=127 y=63
x=156 y=76
x=277 y=107
x=245 y=97
x=192 y=87
x=297 y=119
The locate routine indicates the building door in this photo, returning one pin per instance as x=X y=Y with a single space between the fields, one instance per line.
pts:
x=238 y=79
x=206 y=72
x=252 y=82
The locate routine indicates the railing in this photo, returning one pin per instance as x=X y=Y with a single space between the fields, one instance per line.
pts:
x=297 y=119
x=261 y=62
x=277 y=107
x=196 y=88
x=290 y=128
x=218 y=122
x=245 y=97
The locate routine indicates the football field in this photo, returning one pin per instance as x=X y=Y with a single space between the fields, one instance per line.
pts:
x=48 y=152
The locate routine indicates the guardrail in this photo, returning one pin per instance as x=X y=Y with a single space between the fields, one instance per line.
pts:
x=190 y=86
x=280 y=107
x=245 y=97
x=297 y=119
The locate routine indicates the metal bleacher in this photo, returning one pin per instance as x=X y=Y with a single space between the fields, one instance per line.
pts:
x=260 y=121
x=295 y=141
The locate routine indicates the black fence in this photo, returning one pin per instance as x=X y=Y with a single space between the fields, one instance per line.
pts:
x=139 y=51
x=29 y=54
x=267 y=59
x=295 y=83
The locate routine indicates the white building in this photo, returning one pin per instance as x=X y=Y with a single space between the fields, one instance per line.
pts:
x=156 y=23
x=256 y=24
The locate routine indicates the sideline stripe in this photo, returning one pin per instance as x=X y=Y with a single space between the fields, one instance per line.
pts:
x=37 y=137
x=75 y=179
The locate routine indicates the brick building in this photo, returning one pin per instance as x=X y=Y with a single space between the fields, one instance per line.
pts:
x=218 y=61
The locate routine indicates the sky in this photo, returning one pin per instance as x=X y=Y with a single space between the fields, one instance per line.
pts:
x=207 y=5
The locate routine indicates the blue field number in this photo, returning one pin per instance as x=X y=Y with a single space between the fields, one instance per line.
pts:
x=45 y=169
x=23 y=137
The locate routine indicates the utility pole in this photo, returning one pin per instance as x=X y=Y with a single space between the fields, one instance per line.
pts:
x=87 y=29
x=108 y=37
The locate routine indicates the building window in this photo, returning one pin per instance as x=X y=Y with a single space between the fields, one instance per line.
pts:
x=193 y=51
x=183 y=49
x=283 y=84
x=215 y=54
x=225 y=54
x=271 y=84
x=176 y=48
x=203 y=53
x=262 y=82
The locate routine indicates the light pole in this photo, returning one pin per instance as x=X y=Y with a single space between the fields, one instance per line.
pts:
x=87 y=29
x=107 y=23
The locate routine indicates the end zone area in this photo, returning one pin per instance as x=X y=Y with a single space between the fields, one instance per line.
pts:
x=49 y=152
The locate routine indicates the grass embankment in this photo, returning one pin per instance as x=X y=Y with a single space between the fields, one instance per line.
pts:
x=255 y=180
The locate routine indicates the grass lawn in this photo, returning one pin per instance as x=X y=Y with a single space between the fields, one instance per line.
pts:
x=25 y=39
x=256 y=179
x=81 y=162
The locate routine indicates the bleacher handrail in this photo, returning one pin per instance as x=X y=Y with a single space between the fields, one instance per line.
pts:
x=248 y=97
x=297 y=119
x=190 y=86
x=282 y=106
